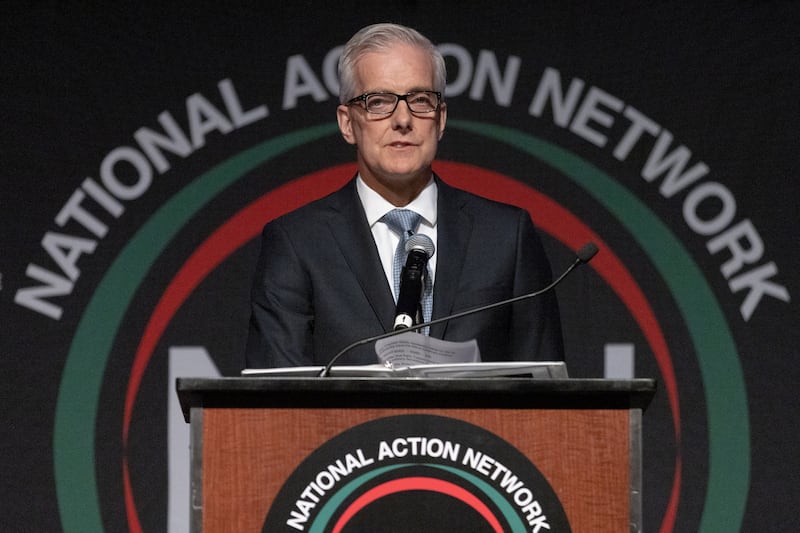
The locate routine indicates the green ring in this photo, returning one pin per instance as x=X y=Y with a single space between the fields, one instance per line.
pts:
x=323 y=518
x=77 y=403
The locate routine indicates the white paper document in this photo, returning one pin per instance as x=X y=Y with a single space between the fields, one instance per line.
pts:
x=412 y=348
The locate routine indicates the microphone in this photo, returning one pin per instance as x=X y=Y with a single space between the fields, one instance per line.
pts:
x=420 y=248
x=584 y=255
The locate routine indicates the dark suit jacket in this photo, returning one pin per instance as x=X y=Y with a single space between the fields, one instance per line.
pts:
x=320 y=286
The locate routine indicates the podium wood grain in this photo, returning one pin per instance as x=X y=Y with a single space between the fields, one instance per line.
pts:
x=583 y=453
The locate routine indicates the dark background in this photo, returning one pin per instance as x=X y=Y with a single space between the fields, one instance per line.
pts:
x=79 y=80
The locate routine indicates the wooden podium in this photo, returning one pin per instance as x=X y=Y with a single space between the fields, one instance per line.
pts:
x=311 y=452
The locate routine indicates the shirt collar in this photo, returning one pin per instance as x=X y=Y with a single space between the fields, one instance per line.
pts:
x=375 y=205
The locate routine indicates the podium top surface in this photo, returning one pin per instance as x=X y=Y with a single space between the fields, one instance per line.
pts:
x=336 y=392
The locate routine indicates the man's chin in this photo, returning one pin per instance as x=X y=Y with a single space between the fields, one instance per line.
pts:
x=410 y=177
x=397 y=180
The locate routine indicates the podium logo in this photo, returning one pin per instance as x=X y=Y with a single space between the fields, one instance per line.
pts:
x=423 y=472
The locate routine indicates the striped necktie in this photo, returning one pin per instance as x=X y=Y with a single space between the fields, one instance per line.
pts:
x=404 y=222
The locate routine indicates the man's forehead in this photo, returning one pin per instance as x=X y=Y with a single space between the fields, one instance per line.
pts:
x=373 y=65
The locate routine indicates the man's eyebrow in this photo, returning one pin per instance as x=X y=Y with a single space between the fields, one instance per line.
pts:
x=412 y=90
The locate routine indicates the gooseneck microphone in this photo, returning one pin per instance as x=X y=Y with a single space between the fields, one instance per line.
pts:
x=420 y=248
x=584 y=255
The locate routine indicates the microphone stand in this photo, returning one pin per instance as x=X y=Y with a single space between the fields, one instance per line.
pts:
x=584 y=255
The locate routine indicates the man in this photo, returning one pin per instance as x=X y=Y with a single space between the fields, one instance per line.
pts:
x=324 y=277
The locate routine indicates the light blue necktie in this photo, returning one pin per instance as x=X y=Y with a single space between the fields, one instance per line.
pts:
x=404 y=222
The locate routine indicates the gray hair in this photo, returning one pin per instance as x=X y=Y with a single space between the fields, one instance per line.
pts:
x=379 y=38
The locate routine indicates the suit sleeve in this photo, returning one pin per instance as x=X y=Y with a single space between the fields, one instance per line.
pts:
x=282 y=318
x=536 y=324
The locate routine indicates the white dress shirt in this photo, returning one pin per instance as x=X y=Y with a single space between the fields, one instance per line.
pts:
x=375 y=206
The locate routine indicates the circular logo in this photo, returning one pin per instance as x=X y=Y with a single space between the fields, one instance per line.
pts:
x=416 y=473
x=79 y=450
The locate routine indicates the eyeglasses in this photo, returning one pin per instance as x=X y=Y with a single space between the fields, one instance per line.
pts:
x=386 y=103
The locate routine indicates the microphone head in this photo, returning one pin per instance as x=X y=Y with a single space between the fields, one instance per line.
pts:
x=586 y=252
x=422 y=243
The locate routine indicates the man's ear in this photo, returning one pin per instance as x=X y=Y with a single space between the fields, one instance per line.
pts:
x=442 y=119
x=345 y=123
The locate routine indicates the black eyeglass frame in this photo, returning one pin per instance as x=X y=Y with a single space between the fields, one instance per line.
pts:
x=398 y=97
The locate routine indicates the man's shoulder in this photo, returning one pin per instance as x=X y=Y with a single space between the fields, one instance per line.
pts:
x=321 y=208
x=474 y=203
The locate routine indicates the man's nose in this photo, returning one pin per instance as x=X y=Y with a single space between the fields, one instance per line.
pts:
x=402 y=115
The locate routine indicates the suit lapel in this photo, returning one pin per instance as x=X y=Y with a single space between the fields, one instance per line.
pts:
x=350 y=229
x=453 y=233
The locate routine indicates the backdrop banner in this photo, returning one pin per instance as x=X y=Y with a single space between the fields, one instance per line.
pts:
x=144 y=149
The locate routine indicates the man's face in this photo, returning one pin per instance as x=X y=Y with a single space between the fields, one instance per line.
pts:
x=395 y=151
